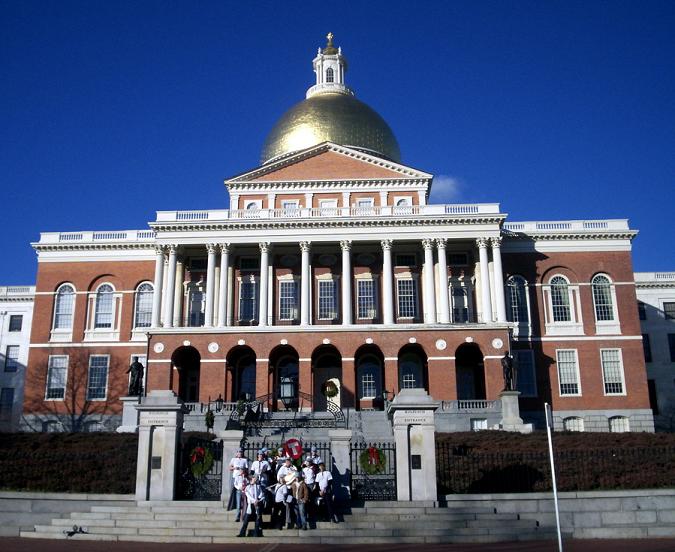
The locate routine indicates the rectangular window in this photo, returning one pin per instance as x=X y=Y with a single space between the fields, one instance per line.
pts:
x=289 y=204
x=526 y=378
x=98 y=377
x=327 y=303
x=197 y=264
x=366 y=299
x=671 y=346
x=368 y=389
x=642 y=310
x=458 y=259
x=612 y=371
x=6 y=402
x=647 y=347
x=247 y=301
x=249 y=263
x=57 y=374
x=568 y=372
x=669 y=311
x=288 y=300
x=11 y=358
x=407 y=298
x=15 y=322
x=407 y=259
x=408 y=381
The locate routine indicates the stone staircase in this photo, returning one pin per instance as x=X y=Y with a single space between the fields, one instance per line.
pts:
x=364 y=523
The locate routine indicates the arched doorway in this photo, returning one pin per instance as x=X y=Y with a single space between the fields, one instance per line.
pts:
x=187 y=361
x=241 y=362
x=470 y=371
x=285 y=366
x=369 y=362
x=326 y=367
x=412 y=368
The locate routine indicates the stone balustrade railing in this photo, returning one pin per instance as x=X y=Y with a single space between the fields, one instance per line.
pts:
x=566 y=225
x=97 y=236
x=12 y=291
x=469 y=406
x=655 y=276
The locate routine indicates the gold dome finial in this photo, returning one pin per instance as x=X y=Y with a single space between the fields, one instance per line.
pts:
x=330 y=49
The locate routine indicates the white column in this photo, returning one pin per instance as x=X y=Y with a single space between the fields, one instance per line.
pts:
x=210 y=284
x=499 y=278
x=387 y=283
x=346 y=246
x=222 y=293
x=443 y=300
x=305 y=281
x=157 y=293
x=309 y=199
x=170 y=285
x=178 y=294
x=429 y=286
x=484 y=279
x=422 y=195
x=264 y=281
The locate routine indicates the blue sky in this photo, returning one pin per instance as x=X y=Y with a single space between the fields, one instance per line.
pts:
x=110 y=111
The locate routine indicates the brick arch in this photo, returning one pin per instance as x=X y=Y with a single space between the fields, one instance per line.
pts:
x=105 y=278
x=417 y=350
x=239 y=362
x=366 y=359
x=571 y=275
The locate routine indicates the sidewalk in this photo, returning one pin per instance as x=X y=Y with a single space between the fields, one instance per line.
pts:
x=72 y=545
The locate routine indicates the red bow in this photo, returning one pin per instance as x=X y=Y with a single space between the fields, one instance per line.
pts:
x=373 y=456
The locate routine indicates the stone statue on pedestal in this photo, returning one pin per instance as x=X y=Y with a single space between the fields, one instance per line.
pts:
x=509 y=372
x=136 y=378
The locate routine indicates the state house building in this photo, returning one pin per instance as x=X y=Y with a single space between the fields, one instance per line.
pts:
x=331 y=265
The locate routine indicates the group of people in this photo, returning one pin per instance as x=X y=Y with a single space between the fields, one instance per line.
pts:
x=273 y=484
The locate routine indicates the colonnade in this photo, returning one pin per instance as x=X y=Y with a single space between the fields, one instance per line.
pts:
x=436 y=307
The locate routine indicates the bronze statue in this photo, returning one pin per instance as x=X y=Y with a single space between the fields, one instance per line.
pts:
x=509 y=372
x=136 y=379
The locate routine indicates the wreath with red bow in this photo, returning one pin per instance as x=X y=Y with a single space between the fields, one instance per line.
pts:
x=201 y=461
x=373 y=460
x=329 y=389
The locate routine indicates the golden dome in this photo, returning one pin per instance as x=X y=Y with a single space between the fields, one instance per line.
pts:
x=331 y=117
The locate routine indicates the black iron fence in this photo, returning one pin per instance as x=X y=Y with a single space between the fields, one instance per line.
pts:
x=462 y=471
x=373 y=471
x=252 y=446
x=200 y=476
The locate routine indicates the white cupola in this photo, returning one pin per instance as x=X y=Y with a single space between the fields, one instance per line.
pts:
x=330 y=67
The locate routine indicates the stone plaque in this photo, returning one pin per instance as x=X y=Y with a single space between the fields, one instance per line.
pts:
x=416 y=461
x=156 y=463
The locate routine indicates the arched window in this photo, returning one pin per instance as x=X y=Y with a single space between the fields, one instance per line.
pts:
x=517 y=300
x=369 y=377
x=252 y=206
x=143 y=315
x=573 y=423
x=103 y=317
x=619 y=424
x=602 y=298
x=410 y=371
x=403 y=202
x=560 y=299
x=330 y=76
x=64 y=307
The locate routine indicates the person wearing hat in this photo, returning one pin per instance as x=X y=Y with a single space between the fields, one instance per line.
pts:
x=316 y=459
x=237 y=464
x=254 y=496
x=261 y=468
x=302 y=497
x=324 y=480
x=284 y=470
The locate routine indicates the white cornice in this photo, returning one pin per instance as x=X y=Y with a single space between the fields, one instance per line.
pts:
x=380 y=184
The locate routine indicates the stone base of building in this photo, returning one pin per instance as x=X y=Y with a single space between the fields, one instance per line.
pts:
x=66 y=423
x=599 y=420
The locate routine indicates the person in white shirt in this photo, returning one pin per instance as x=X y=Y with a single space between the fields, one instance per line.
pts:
x=237 y=465
x=324 y=480
x=261 y=468
x=284 y=470
x=254 y=496
x=316 y=459
x=240 y=482
x=280 y=496
x=309 y=473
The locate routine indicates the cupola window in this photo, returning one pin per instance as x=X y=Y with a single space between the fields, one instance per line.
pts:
x=330 y=76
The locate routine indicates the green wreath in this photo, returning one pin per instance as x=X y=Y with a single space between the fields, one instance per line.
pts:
x=201 y=461
x=329 y=389
x=373 y=460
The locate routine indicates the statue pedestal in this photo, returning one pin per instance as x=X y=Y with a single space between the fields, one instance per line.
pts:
x=511 y=420
x=129 y=415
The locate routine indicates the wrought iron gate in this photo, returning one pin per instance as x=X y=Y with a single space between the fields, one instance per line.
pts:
x=373 y=470
x=192 y=483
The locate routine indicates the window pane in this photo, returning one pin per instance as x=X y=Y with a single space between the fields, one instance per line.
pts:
x=247 y=301
x=602 y=298
x=642 y=310
x=56 y=377
x=369 y=379
x=366 y=299
x=63 y=315
x=104 y=307
x=288 y=300
x=6 y=402
x=567 y=372
x=573 y=424
x=526 y=380
x=407 y=299
x=612 y=372
x=669 y=311
x=327 y=309
x=98 y=377
x=518 y=300
x=15 y=322
x=143 y=306
x=12 y=358
x=647 y=347
x=560 y=299
x=619 y=424
x=410 y=371
x=196 y=310
x=460 y=303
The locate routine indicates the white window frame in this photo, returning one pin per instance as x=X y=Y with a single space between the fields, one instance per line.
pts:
x=363 y=206
x=573 y=326
x=605 y=327
x=377 y=379
x=190 y=289
x=520 y=328
x=136 y=328
x=12 y=362
x=373 y=282
x=621 y=372
x=467 y=292
x=294 y=309
x=577 y=372
x=49 y=375
x=333 y=280
x=63 y=334
x=625 y=423
x=328 y=207
x=574 y=423
x=9 y=323
x=107 y=377
x=518 y=354
x=253 y=279
x=416 y=296
x=92 y=333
